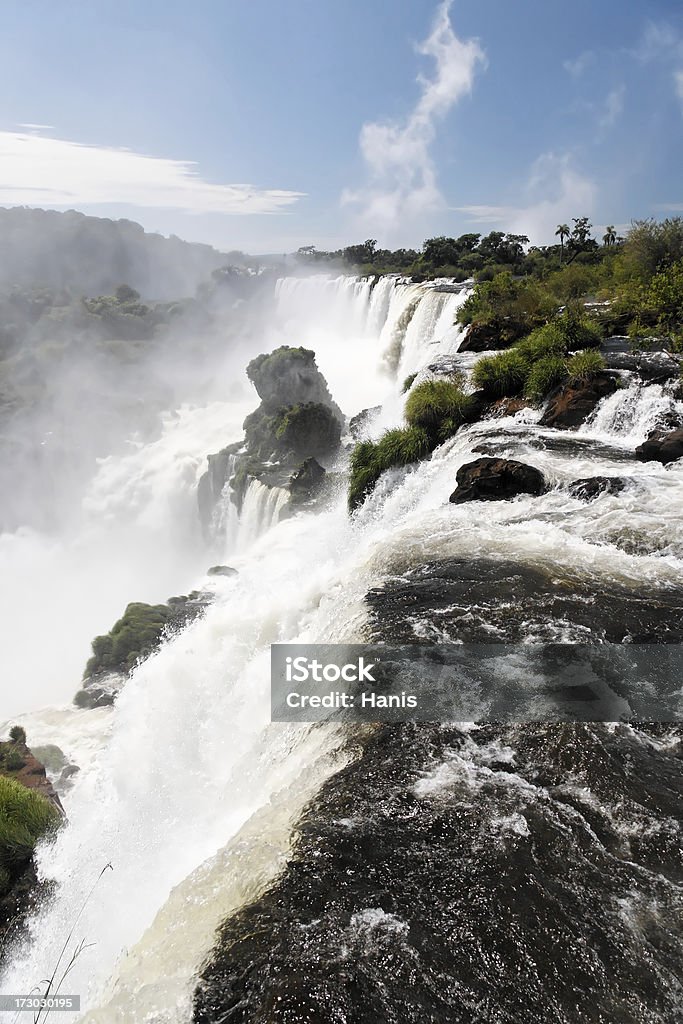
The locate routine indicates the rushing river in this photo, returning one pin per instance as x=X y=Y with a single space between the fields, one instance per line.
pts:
x=446 y=874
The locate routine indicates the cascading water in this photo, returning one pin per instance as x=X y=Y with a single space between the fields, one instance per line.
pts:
x=193 y=794
x=188 y=756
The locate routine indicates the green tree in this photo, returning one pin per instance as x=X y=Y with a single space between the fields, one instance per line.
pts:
x=563 y=232
x=610 y=236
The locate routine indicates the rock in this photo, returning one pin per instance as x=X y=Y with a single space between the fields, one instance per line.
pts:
x=307 y=478
x=654 y=367
x=661 y=446
x=137 y=634
x=507 y=407
x=18 y=762
x=490 y=337
x=593 y=486
x=572 y=404
x=481 y=338
x=290 y=376
x=496 y=480
x=221 y=570
x=211 y=484
x=358 y=424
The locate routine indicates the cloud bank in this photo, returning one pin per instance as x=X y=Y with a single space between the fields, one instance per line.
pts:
x=402 y=182
x=41 y=171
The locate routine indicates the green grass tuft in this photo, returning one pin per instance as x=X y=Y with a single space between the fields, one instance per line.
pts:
x=25 y=817
x=584 y=366
x=408 y=383
x=399 y=447
x=501 y=375
x=546 y=374
x=434 y=401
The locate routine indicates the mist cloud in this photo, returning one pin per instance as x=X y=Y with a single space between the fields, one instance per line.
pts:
x=45 y=171
x=401 y=173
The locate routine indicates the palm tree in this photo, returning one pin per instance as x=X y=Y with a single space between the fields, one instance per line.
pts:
x=610 y=235
x=563 y=232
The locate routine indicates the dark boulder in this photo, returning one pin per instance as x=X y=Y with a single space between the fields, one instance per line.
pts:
x=661 y=446
x=653 y=367
x=481 y=338
x=307 y=478
x=593 y=486
x=573 y=404
x=492 y=336
x=507 y=407
x=221 y=570
x=496 y=480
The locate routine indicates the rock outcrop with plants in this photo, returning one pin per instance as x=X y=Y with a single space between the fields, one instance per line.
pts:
x=296 y=428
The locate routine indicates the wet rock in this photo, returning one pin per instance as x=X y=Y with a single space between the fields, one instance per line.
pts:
x=490 y=337
x=507 y=407
x=593 y=486
x=429 y=859
x=661 y=446
x=296 y=420
x=358 y=424
x=211 y=484
x=221 y=570
x=307 y=478
x=18 y=762
x=487 y=601
x=653 y=367
x=137 y=634
x=489 y=479
x=573 y=404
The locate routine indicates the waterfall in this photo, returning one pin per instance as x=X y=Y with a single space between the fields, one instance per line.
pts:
x=189 y=791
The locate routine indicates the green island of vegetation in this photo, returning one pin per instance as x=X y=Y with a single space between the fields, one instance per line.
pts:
x=548 y=309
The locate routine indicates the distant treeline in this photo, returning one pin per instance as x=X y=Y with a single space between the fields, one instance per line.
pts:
x=93 y=255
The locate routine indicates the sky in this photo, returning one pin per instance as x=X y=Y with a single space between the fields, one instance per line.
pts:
x=265 y=125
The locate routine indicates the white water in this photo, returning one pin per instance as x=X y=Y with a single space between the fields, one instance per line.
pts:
x=192 y=793
x=188 y=755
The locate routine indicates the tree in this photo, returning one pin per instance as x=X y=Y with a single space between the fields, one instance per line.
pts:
x=563 y=232
x=581 y=234
x=363 y=253
x=610 y=236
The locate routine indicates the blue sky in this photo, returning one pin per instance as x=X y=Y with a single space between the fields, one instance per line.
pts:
x=268 y=124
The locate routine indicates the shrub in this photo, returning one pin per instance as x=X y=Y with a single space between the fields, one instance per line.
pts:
x=501 y=375
x=434 y=401
x=584 y=366
x=545 y=341
x=578 y=329
x=546 y=374
x=369 y=460
x=13 y=761
x=408 y=383
x=308 y=429
x=25 y=817
x=17 y=734
x=135 y=635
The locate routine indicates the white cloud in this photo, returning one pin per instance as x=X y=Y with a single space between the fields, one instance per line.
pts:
x=555 y=192
x=402 y=182
x=577 y=67
x=612 y=107
x=40 y=171
x=658 y=40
